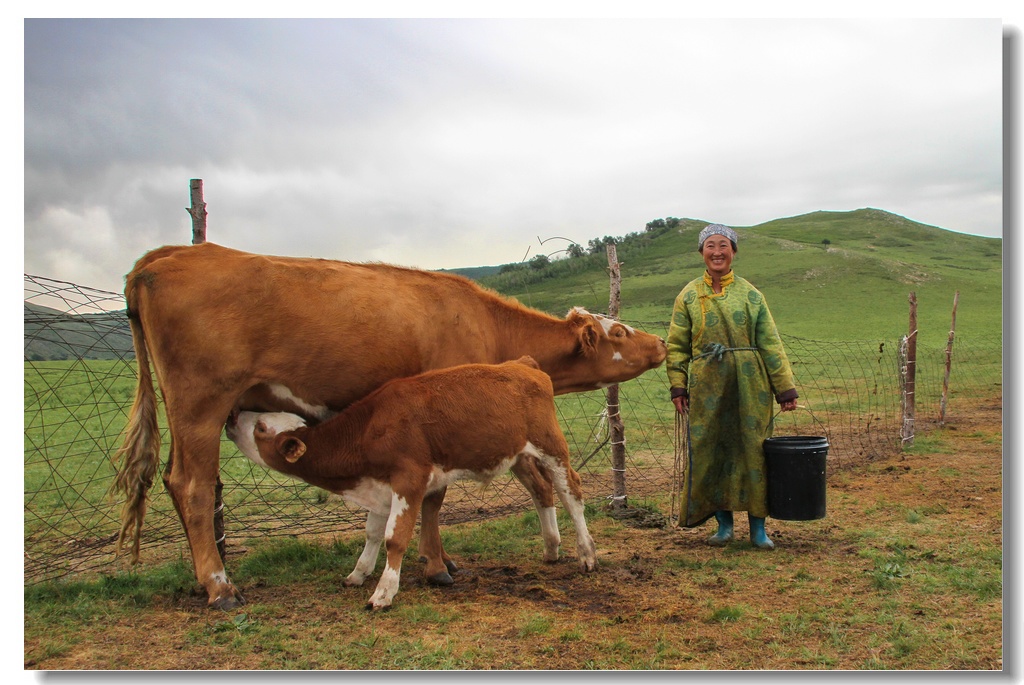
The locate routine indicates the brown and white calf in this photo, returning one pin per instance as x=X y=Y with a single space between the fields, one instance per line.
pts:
x=414 y=436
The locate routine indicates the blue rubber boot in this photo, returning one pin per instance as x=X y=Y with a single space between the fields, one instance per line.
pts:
x=758 y=537
x=724 y=534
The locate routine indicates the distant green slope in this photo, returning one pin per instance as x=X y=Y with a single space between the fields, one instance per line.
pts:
x=51 y=334
x=474 y=272
x=852 y=287
x=855 y=286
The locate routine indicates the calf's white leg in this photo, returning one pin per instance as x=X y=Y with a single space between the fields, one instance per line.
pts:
x=567 y=484
x=375 y=526
x=548 y=517
x=400 y=526
x=527 y=471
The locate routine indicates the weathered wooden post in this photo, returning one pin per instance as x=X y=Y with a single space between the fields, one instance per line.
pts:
x=909 y=375
x=949 y=362
x=616 y=429
x=197 y=211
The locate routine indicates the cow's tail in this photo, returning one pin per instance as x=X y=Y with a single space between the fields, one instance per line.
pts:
x=139 y=456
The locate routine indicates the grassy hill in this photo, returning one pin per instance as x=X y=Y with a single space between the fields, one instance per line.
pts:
x=477 y=273
x=52 y=334
x=826 y=276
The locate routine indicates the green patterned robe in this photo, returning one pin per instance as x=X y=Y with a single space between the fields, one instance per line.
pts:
x=726 y=351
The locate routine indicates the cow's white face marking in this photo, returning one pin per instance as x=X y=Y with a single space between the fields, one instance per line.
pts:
x=606 y=322
x=617 y=357
x=283 y=393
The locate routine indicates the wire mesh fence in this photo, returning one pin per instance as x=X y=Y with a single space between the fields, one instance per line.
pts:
x=79 y=383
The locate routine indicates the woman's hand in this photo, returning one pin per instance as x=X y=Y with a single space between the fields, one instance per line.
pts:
x=788 y=405
x=682 y=404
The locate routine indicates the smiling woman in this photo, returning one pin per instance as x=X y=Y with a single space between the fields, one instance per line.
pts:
x=728 y=397
x=718 y=250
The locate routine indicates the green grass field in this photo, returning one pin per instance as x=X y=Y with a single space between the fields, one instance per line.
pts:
x=855 y=287
x=74 y=412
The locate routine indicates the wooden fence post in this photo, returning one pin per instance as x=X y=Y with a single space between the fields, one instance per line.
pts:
x=909 y=375
x=197 y=211
x=616 y=428
x=949 y=362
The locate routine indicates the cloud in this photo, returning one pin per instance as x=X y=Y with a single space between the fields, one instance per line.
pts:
x=445 y=143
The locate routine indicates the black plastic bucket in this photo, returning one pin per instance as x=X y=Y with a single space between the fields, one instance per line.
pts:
x=796 y=476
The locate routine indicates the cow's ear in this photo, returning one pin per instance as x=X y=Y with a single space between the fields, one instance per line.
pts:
x=291 y=448
x=588 y=339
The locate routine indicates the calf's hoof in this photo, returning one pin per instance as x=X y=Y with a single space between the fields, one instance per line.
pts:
x=352 y=580
x=370 y=606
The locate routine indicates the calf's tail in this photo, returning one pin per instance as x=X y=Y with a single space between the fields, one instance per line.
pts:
x=139 y=455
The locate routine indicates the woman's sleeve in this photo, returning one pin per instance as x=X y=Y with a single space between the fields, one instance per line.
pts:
x=678 y=361
x=769 y=343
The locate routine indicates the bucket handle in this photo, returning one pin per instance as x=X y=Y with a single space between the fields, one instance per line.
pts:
x=801 y=406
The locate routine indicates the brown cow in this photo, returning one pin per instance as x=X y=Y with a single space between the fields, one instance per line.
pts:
x=227 y=329
x=413 y=436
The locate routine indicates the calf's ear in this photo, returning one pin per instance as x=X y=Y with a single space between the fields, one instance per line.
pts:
x=291 y=448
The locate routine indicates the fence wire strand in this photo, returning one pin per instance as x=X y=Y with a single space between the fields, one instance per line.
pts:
x=79 y=383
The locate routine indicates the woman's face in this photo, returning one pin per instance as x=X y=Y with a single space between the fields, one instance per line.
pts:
x=718 y=255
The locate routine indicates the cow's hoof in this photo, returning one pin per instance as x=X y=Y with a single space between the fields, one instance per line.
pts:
x=441 y=578
x=370 y=606
x=448 y=564
x=227 y=603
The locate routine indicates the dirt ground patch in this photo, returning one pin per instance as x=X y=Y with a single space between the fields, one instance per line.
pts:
x=904 y=572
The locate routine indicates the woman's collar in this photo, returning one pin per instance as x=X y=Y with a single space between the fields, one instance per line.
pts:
x=726 y=279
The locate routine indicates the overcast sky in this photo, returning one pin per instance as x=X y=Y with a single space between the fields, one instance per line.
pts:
x=450 y=143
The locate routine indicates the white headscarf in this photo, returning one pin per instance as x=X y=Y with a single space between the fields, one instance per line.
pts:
x=716 y=229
